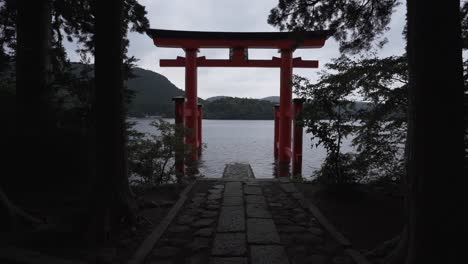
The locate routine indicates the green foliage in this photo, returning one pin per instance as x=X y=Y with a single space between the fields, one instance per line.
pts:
x=379 y=130
x=151 y=157
x=76 y=20
x=381 y=134
x=338 y=169
x=356 y=24
x=464 y=24
x=7 y=32
x=323 y=101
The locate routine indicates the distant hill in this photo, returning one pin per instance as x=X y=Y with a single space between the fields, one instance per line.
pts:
x=153 y=94
x=238 y=108
x=273 y=99
x=214 y=98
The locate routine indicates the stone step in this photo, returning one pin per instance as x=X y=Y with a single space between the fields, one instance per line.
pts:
x=238 y=171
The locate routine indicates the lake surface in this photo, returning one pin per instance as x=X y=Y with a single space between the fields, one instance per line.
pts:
x=246 y=141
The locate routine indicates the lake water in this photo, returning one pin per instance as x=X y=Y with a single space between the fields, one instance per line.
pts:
x=246 y=141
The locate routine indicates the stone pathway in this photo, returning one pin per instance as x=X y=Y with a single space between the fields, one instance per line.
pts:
x=241 y=220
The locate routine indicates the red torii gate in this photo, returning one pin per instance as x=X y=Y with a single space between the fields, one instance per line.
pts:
x=239 y=43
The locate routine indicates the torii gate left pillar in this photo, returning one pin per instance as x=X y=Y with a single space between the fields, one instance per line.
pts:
x=191 y=105
x=285 y=113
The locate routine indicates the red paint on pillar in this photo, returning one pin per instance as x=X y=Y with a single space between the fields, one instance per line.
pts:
x=275 y=141
x=191 y=105
x=200 y=117
x=285 y=113
x=297 y=138
x=179 y=122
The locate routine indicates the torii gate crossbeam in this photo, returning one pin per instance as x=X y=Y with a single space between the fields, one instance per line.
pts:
x=239 y=43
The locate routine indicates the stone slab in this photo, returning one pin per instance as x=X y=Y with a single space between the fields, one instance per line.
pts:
x=235 y=260
x=231 y=219
x=229 y=244
x=257 y=190
x=289 y=187
x=238 y=171
x=233 y=189
x=208 y=214
x=204 y=222
x=270 y=254
x=262 y=231
x=233 y=201
x=214 y=196
x=215 y=191
x=204 y=232
x=257 y=211
x=255 y=199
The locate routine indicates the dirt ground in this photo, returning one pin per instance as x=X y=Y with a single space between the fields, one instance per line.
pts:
x=156 y=203
x=364 y=215
x=64 y=236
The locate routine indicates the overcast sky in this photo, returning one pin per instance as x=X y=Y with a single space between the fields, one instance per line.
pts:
x=228 y=15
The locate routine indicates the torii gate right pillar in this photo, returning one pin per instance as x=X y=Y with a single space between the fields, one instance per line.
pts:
x=285 y=113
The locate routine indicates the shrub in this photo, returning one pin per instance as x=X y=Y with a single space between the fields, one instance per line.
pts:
x=151 y=156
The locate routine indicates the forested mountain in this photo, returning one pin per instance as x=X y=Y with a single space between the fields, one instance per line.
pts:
x=214 y=98
x=238 y=108
x=273 y=99
x=153 y=94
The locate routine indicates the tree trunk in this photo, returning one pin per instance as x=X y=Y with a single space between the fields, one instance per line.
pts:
x=112 y=194
x=33 y=119
x=436 y=199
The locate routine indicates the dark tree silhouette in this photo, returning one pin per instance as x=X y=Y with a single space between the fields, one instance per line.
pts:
x=357 y=24
x=113 y=200
x=33 y=90
x=40 y=30
x=435 y=153
x=435 y=134
x=31 y=39
x=464 y=25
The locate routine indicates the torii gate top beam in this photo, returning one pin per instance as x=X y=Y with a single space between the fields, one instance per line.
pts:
x=239 y=43
x=263 y=40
